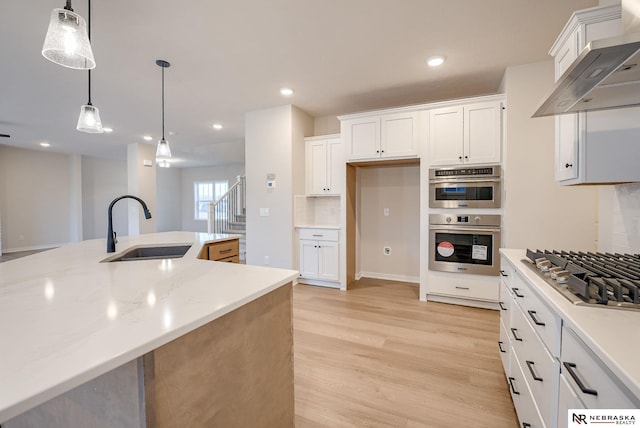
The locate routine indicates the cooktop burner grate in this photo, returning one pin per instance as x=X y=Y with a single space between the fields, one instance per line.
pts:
x=587 y=278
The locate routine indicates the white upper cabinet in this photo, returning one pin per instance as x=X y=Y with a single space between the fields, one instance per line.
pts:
x=381 y=136
x=324 y=164
x=595 y=146
x=466 y=134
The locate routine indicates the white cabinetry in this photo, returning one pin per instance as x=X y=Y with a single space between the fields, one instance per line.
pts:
x=386 y=136
x=319 y=256
x=466 y=134
x=598 y=146
x=324 y=163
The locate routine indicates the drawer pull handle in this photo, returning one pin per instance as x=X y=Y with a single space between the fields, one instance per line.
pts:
x=502 y=273
x=570 y=368
x=526 y=425
x=461 y=288
x=535 y=319
x=515 y=334
x=502 y=306
x=513 y=389
x=500 y=346
x=530 y=364
x=228 y=250
x=318 y=236
x=515 y=291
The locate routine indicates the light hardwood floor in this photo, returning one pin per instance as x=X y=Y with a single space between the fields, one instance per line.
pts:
x=376 y=356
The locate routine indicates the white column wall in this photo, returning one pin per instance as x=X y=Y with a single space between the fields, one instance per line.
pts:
x=141 y=183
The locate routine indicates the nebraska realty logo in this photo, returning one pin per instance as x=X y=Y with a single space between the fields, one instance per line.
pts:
x=600 y=417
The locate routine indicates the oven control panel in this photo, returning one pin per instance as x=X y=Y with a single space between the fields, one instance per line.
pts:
x=465 y=220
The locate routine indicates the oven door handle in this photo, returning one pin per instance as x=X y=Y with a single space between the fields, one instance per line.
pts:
x=465 y=229
x=454 y=182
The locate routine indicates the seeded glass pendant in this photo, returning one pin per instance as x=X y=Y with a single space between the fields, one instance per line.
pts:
x=163 y=151
x=89 y=120
x=67 y=42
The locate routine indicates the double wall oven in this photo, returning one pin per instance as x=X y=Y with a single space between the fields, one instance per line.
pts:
x=463 y=240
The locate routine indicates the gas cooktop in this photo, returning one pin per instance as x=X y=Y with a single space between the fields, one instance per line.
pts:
x=600 y=279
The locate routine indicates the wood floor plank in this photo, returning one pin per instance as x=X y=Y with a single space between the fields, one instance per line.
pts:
x=376 y=356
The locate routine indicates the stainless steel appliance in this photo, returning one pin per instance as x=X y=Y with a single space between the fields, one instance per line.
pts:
x=464 y=243
x=602 y=280
x=468 y=187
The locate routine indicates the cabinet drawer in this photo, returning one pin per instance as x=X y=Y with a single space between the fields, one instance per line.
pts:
x=567 y=399
x=319 y=234
x=504 y=347
x=506 y=272
x=224 y=249
x=465 y=288
x=590 y=379
x=506 y=299
x=544 y=322
x=540 y=368
x=523 y=401
x=233 y=259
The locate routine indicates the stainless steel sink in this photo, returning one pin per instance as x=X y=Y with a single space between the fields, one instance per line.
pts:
x=156 y=252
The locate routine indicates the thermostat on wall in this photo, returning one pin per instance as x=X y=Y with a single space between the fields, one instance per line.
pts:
x=271 y=181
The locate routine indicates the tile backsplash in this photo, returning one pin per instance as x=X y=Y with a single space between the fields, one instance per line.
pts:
x=619 y=218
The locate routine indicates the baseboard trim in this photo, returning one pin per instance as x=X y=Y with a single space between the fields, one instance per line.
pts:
x=389 y=277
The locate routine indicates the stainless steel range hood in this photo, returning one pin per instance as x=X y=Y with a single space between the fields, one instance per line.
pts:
x=605 y=75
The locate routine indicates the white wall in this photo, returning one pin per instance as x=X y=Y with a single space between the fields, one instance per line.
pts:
x=274 y=143
x=538 y=212
x=326 y=125
x=398 y=189
x=192 y=175
x=168 y=199
x=141 y=182
x=102 y=181
x=36 y=194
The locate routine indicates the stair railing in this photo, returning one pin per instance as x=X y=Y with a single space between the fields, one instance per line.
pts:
x=225 y=210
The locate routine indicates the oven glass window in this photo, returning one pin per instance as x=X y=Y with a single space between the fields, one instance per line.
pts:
x=464 y=193
x=466 y=248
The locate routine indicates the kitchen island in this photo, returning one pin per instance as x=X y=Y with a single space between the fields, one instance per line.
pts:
x=162 y=342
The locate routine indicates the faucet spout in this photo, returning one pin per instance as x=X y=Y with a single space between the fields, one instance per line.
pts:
x=111 y=235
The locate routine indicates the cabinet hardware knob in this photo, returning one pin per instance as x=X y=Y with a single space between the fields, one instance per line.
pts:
x=568 y=165
x=570 y=368
x=466 y=157
x=377 y=151
x=460 y=157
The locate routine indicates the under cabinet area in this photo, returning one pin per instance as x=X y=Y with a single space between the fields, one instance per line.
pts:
x=319 y=257
x=324 y=156
x=466 y=134
x=381 y=136
x=594 y=146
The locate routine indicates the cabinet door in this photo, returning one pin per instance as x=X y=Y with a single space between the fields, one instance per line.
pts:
x=567 y=146
x=328 y=261
x=566 y=54
x=482 y=132
x=399 y=135
x=445 y=136
x=308 y=258
x=335 y=166
x=362 y=137
x=316 y=167
x=567 y=399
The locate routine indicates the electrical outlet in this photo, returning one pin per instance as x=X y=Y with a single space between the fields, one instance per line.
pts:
x=386 y=212
x=21 y=238
x=387 y=251
x=266 y=260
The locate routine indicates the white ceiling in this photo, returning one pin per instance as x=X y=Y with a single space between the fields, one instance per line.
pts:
x=231 y=57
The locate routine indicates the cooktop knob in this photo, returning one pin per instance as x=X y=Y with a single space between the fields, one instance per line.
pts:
x=448 y=219
x=477 y=219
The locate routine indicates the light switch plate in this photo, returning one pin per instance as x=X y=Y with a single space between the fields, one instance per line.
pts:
x=264 y=212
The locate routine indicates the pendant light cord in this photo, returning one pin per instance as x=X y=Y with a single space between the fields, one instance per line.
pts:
x=88 y=34
x=68 y=6
x=162 y=103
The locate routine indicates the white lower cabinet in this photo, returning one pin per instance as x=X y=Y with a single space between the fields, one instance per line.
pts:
x=319 y=257
x=567 y=399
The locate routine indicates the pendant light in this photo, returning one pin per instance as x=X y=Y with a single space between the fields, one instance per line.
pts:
x=163 y=151
x=89 y=119
x=67 y=42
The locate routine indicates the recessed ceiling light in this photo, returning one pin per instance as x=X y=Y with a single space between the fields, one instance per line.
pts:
x=217 y=126
x=435 y=61
x=45 y=144
x=148 y=138
x=287 y=92
x=107 y=129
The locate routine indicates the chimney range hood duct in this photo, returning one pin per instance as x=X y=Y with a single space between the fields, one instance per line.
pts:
x=605 y=75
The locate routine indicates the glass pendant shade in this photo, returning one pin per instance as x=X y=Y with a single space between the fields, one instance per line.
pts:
x=67 y=42
x=163 y=151
x=89 y=120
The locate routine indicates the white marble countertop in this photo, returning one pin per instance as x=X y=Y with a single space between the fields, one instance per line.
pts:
x=612 y=334
x=66 y=318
